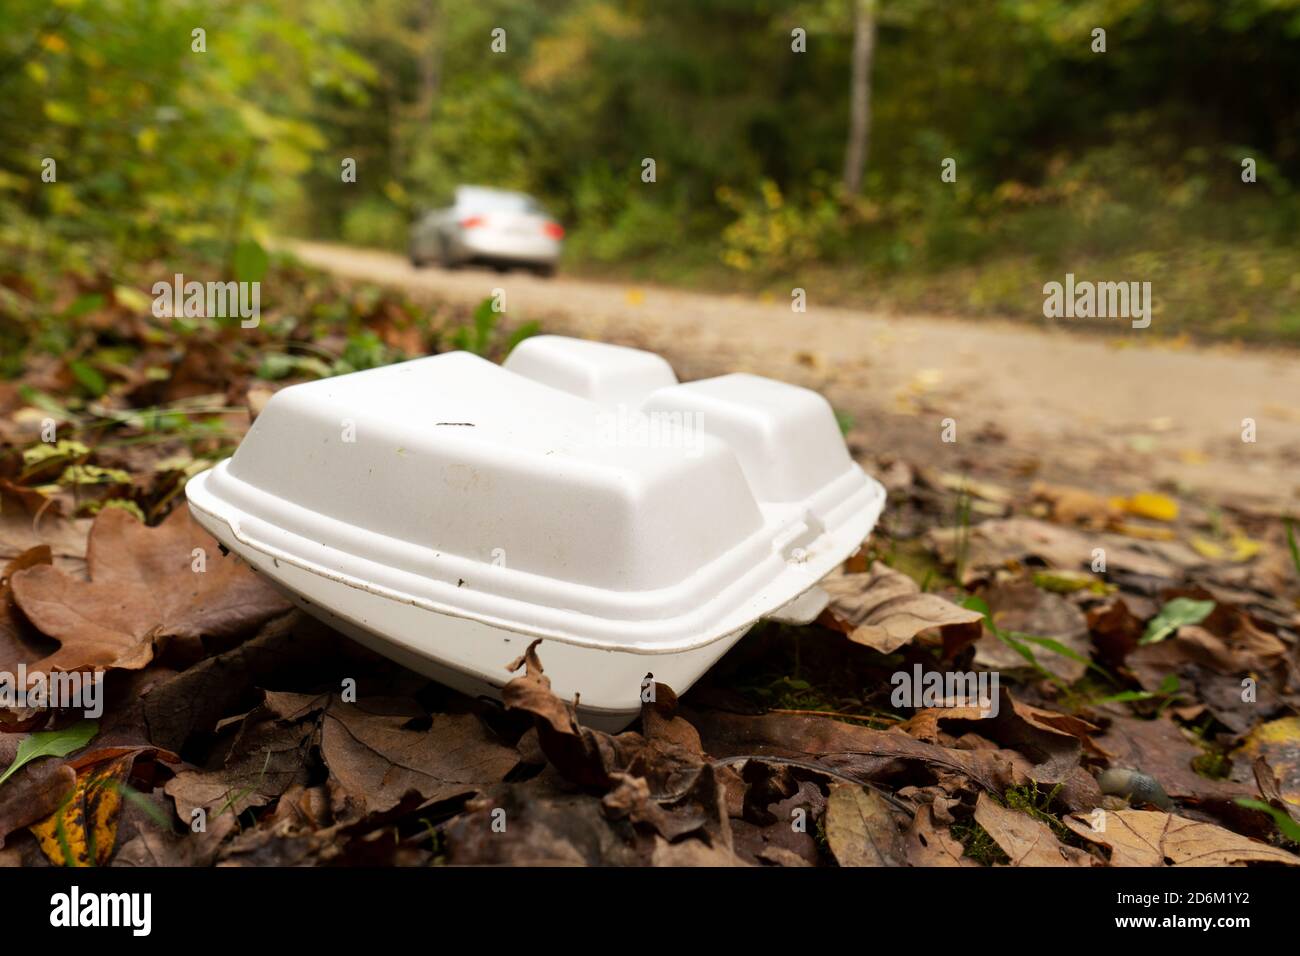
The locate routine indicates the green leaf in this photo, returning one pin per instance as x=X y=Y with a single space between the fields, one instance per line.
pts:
x=524 y=331
x=1125 y=697
x=1179 y=612
x=88 y=377
x=251 y=261
x=83 y=304
x=845 y=421
x=51 y=743
x=1285 y=824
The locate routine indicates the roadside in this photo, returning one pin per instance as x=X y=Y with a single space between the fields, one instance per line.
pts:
x=1106 y=413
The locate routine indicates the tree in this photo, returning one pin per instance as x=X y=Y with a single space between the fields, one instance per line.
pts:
x=864 y=49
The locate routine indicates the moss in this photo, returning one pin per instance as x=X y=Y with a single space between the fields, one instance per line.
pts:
x=979 y=846
x=1212 y=764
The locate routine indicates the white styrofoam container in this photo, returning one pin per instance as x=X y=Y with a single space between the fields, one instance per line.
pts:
x=447 y=511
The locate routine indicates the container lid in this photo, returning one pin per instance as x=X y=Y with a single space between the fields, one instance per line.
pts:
x=577 y=492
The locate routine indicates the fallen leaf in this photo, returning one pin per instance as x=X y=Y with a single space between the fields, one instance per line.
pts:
x=1010 y=542
x=19 y=643
x=1212 y=670
x=861 y=751
x=1051 y=742
x=51 y=743
x=1151 y=838
x=1028 y=842
x=144 y=589
x=1024 y=612
x=543 y=826
x=377 y=758
x=885 y=609
x=83 y=832
x=1075 y=505
x=1277 y=741
x=1177 y=613
x=1147 y=504
x=34 y=792
x=23 y=528
x=860 y=828
x=291 y=650
x=926 y=844
x=1162 y=750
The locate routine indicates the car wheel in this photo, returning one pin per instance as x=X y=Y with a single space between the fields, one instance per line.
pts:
x=444 y=255
x=544 y=271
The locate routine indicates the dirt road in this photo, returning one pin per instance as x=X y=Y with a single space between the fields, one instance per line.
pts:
x=1113 y=414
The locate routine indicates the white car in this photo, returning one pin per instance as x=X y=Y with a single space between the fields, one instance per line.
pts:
x=491 y=227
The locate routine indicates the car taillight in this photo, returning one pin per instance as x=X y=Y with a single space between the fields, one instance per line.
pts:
x=472 y=222
x=553 y=230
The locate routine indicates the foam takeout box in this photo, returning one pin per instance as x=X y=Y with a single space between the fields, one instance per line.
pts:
x=448 y=511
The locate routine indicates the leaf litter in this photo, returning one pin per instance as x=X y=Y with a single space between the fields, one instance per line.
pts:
x=1145 y=713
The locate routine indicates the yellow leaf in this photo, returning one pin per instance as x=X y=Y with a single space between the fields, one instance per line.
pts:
x=634 y=296
x=83 y=832
x=1207 y=548
x=60 y=112
x=1244 y=548
x=1148 y=504
x=1279 y=742
x=133 y=299
x=1143 y=531
x=54 y=43
x=147 y=140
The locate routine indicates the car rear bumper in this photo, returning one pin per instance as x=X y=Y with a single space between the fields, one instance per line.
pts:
x=497 y=246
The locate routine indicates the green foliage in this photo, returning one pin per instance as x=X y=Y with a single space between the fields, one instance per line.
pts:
x=1177 y=613
x=482 y=335
x=250 y=262
x=51 y=743
x=1119 y=165
x=1286 y=824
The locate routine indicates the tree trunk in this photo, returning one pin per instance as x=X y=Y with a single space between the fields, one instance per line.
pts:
x=431 y=61
x=864 y=49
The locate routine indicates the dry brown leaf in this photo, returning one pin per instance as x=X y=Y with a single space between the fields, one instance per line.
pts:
x=377 y=759
x=1159 y=748
x=1278 y=742
x=1151 y=838
x=23 y=528
x=1051 y=741
x=839 y=746
x=884 y=609
x=926 y=844
x=18 y=642
x=1028 y=842
x=860 y=828
x=1009 y=542
x=143 y=589
x=1019 y=607
x=34 y=792
x=1212 y=671
x=1072 y=505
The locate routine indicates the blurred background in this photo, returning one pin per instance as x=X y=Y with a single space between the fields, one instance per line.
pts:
x=770 y=171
